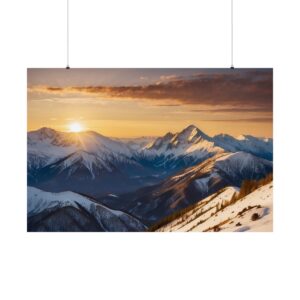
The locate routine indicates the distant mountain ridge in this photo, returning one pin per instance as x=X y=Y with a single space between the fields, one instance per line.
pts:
x=91 y=163
x=192 y=139
x=262 y=147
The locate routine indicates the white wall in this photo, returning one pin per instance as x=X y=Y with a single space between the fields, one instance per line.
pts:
x=156 y=33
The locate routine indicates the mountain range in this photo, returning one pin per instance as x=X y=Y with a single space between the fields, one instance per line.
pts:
x=59 y=161
x=146 y=178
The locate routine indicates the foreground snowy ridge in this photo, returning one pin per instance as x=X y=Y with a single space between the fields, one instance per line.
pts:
x=47 y=212
x=254 y=212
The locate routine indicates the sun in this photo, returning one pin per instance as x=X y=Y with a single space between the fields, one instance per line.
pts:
x=75 y=127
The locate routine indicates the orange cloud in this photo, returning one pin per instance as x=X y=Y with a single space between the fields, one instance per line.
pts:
x=242 y=90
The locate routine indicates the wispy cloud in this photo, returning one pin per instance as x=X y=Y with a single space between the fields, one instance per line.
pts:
x=246 y=120
x=243 y=90
x=233 y=110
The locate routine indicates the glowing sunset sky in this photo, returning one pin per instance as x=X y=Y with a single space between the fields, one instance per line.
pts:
x=151 y=102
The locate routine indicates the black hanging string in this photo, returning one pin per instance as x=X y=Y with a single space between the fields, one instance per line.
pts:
x=232 y=67
x=68 y=34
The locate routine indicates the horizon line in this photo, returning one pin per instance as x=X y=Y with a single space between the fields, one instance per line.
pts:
x=148 y=136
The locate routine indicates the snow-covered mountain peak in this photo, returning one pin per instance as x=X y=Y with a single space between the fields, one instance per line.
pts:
x=87 y=140
x=192 y=134
x=46 y=132
x=43 y=134
x=186 y=137
x=52 y=137
x=185 y=147
x=190 y=128
x=90 y=149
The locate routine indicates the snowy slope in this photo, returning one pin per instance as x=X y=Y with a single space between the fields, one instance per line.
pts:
x=46 y=146
x=195 y=183
x=231 y=167
x=45 y=203
x=208 y=215
x=191 y=146
x=175 y=151
x=190 y=141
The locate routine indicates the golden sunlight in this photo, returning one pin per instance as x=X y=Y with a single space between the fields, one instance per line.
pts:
x=75 y=127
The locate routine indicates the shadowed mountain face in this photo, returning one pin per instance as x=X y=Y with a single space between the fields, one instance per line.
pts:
x=192 y=185
x=69 y=211
x=96 y=165
x=67 y=219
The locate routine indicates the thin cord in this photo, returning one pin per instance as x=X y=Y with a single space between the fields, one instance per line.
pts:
x=68 y=34
x=232 y=67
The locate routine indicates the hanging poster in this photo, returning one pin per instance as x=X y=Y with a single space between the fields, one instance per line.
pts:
x=150 y=150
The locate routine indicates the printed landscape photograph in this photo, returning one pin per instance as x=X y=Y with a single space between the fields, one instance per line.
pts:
x=149 y=150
